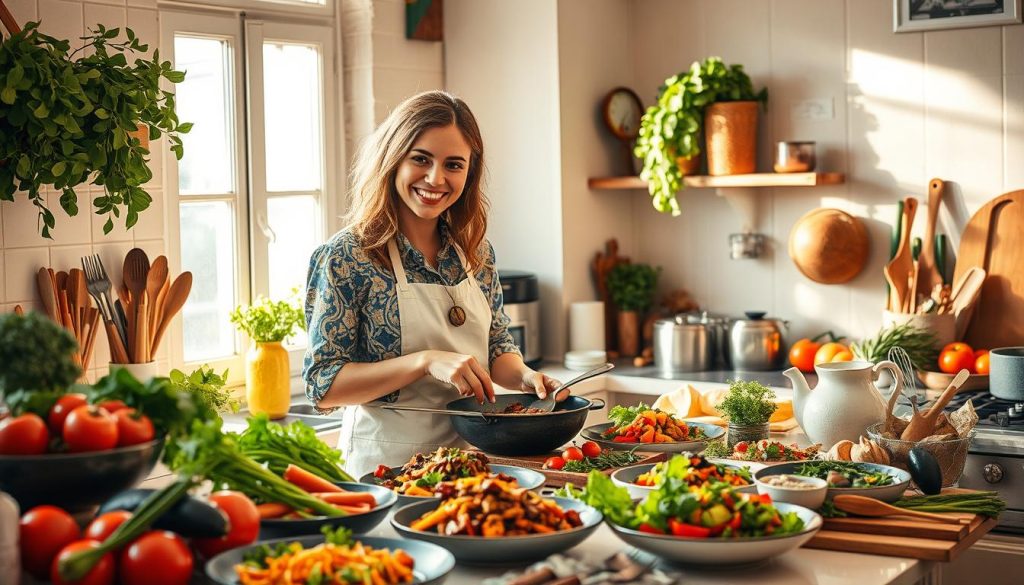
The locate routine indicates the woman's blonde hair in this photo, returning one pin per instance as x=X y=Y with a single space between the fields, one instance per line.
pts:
x=373 y=217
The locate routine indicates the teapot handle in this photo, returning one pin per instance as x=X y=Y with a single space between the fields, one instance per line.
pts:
x=897 y=386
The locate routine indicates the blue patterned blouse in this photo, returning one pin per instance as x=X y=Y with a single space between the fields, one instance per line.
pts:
x=352 y=309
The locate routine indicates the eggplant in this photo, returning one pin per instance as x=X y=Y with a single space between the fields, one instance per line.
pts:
x=925 y=471
x=189 y=517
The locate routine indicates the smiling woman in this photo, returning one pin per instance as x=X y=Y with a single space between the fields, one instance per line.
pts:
x=405 y=302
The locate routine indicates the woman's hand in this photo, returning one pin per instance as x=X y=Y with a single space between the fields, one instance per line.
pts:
x=541 y=385
x=462 y=371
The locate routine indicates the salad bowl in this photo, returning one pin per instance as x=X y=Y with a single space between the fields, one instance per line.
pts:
x=431 y=562
x=722 y=551
x=596 y=433
x=357 y=523
x=527 y=478
x=626 y=478
x=886 y=493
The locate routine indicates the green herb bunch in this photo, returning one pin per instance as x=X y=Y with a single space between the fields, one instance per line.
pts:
x=277 y=446
x=748 y=403
x=67 y=117
x=36 y=362
x=208 y=388
x=631 y=286
x=268 y=320
x=671 y=128
x=920 y=344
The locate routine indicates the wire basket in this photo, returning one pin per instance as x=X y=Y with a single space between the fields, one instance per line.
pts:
x=951 y=454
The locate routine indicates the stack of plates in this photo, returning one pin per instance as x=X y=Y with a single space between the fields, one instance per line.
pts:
x=587 y=359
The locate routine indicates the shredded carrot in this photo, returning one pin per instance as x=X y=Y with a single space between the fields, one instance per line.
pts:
x=295 y=567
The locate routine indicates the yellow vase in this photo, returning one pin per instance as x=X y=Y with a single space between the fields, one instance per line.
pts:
x=267 y=379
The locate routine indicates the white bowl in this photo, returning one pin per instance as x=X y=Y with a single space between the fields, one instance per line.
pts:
x=587 y=356
x=722 y=551
x=627 y=475
x=886 y=493
x=811 y=497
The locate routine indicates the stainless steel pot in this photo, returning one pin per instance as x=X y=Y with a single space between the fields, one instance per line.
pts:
x=756 y=343
x=681 y=345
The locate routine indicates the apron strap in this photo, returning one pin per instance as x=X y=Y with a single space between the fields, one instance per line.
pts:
x=401 y=280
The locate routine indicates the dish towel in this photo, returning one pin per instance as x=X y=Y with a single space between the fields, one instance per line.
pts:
x=689 y=404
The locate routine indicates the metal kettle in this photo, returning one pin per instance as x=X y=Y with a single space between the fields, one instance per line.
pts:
x=756 y=343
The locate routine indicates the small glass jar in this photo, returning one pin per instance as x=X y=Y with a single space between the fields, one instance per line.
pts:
x=740 y=433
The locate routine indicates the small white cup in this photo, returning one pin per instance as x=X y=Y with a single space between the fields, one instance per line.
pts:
x=142 y=372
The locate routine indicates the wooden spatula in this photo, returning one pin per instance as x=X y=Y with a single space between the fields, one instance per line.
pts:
x=864 y=506
x=176 y=297
x=922 y=424
x=135 y=273
x=897 y=271
x=927 y=269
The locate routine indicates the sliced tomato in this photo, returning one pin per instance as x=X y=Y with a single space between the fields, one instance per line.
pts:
x=688 y=530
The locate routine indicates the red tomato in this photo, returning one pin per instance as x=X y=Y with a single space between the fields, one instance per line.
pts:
x=105 y=524
x=112 y=406
x=801 y=354
x=591 y=449
x=90 y=428
x=158 y=557
x=43 y=531
x=60 y=409
x=554 y=462
x=981 y=363
x=243 y=523
x=133 y=427
x=952 y=361
x=23 y=435
x=957 y=346
x=572 y=454
x=101 y=574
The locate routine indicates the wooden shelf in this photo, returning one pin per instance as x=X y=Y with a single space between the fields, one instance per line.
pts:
x=751 y=180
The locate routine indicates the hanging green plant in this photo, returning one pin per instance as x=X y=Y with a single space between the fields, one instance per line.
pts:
x=67 y=118
x=671 y=129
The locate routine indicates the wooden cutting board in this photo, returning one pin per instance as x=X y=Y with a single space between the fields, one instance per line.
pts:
x=898 y=537
x=994 y=240
x=557 y=478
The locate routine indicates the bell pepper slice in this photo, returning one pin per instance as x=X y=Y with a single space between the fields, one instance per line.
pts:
x=688 y=530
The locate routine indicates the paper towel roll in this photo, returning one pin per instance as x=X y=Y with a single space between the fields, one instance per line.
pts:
x=586 y=325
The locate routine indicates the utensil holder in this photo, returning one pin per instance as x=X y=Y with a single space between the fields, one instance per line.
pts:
x=142 y=372
x=942 y=326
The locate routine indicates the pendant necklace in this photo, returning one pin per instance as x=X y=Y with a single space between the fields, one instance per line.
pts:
x=456 y=314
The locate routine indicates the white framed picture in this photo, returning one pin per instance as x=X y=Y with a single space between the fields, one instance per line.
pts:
x=920 y=15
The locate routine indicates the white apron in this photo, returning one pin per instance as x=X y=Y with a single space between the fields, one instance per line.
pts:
x=374 y=436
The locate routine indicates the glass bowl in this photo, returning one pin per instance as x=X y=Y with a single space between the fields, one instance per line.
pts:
x=951 y=454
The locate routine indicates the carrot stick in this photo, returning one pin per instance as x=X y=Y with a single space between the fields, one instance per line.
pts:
x=308 y=481
x=273 y=510
x=358 y=509
x=347 y=498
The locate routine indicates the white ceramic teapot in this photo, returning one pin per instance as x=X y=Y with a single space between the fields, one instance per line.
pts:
x=845 y=401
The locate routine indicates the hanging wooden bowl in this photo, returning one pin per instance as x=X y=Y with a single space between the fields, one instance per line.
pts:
x=829 y=246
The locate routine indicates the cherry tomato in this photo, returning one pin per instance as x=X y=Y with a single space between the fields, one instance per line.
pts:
x=958 y=346
x=112 y=406
x=158 y=557
x=981 y=363
x=802 y=353
x=572 y=454
x=133 y=427
x=60 y=409
x=243 y=523
x=43 y=531
x=591 y=449
x=105 y=524
x=952 y=361
x=23 y=435
x=90 y=428
x=554 y=462
x=101 y=574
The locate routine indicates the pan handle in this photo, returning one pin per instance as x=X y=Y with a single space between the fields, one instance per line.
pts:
x=469 y=413
x=597 y=404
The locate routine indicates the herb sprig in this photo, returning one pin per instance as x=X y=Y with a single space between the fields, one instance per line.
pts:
x=748 y=403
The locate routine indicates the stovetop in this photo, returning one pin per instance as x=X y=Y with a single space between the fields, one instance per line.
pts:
x=992 y=411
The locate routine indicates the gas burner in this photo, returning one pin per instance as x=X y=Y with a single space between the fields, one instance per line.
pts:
x=991 y=411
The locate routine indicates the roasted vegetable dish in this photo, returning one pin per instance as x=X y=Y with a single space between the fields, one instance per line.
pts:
x=339 y=560
x=845 y=474
x=763 y=450
x=643 y=424
x=712 y=510
x=422 y=472
x=519 y=408
x=696 y=471
x=492 y=507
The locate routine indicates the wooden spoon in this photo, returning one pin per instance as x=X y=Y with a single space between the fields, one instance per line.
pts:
x=864 y=506
x=47 y=294
x=135 y=272
x=927 y=269
x=176 y=297
x=897 y=271
x=922 y=425
x=154 y=282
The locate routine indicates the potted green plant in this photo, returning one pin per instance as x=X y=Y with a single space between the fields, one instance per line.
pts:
x=67 y=118
x=748 y=406
x=268 y=323
x=631 y=288
x=670 y=130
x=38 y=362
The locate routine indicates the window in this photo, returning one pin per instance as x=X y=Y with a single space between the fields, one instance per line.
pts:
x=251 y=188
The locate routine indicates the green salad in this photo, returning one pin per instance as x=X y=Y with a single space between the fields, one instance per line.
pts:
x=712 y=510
x=845 y=474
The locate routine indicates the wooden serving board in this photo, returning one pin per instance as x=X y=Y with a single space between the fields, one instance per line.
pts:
x=556 y=478
x=901 y=537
